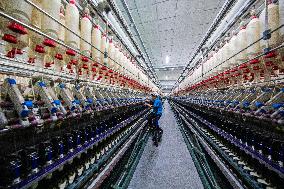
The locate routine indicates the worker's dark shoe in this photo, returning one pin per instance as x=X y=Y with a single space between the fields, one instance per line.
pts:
x=156 y=143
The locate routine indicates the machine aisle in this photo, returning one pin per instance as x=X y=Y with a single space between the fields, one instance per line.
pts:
x=80 y=78
x=168 y=166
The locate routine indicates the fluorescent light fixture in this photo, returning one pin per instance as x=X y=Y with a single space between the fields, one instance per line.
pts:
x=167 y=59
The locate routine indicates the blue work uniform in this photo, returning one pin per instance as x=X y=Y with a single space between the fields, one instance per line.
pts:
x=157 y=111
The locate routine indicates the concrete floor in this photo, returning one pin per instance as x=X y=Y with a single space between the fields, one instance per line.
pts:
x=168 y=166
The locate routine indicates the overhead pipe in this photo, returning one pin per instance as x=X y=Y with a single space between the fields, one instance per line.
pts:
x=150 y=68
x=136 y=30
x=118 y=29
x=139 y=37
x=109 y=18
x=117 y=14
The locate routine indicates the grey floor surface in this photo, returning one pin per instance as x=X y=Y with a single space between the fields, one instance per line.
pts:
x=168 y=166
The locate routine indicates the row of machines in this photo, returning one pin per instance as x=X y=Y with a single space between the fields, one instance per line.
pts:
x=42 y=121
x=237 y=89
x=260 y=101
x=251 y=52
x=46 y=101
x=252 y=116
x=69 y=39
x=46 y=121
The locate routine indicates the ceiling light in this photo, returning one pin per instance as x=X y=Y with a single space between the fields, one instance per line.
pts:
x=166 y=77
x=167 y=59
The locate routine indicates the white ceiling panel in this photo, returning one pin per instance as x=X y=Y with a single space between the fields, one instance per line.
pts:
x=147 y=14
x=166 y=24
x=166 y=9
x=143 y=3
x=171 y=28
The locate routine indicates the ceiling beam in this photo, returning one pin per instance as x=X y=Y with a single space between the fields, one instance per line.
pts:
x=167 y=80
x=166 y=89
x=170 y=67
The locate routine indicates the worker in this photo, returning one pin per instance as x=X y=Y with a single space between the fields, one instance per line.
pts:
x=156 y=113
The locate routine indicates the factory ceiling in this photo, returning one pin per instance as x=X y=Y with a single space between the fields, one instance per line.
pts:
x=169 y=31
